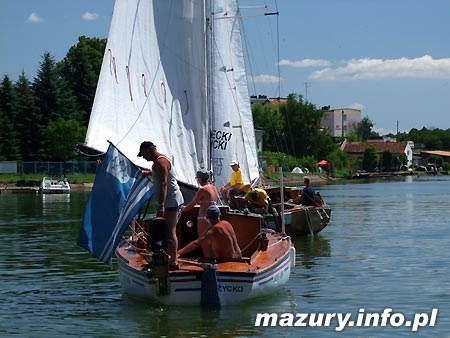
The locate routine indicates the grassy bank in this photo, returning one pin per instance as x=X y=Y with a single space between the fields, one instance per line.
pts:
x=33 y=180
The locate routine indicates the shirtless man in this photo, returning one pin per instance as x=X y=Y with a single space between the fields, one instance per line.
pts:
x=220 y=239
x=205 y=197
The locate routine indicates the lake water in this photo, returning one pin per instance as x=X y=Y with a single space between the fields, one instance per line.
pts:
x=387 y=246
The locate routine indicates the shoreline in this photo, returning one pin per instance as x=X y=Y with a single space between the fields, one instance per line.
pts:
x=12 y=187
x=316 y=180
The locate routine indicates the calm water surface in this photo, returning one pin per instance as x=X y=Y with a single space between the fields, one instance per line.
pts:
x=386 y=246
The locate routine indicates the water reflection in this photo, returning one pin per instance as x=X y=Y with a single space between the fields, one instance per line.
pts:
x=160 y=321
x=309 y=248
x=52 y=203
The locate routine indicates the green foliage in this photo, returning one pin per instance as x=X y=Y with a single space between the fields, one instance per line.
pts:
x=53 y=97
x=270 y=120
x=436 y=160
x=401 y=137
x=430 y=139
x=61 y=136
x=387 y=160
x=364 y=129
x=80 y=70
x=370 y=158
x=303 y=126
x=9 y=148
x=338 y=160
x=403 y=159
x=352 y=137
x=45 y=88
x=28 y=120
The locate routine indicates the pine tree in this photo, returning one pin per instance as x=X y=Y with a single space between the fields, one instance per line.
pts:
x=45 y=88
x=28 y=120
x=9 y=149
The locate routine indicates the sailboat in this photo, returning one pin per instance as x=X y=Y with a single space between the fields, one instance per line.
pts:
x=299 y=220
x=173 y=72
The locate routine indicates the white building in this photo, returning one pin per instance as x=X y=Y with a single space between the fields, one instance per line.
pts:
x=339 y=122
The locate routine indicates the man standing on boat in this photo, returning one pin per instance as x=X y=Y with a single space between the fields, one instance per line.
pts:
x=167 y=193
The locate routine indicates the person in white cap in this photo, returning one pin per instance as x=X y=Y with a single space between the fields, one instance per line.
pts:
x=220 y=239
x=236 y=184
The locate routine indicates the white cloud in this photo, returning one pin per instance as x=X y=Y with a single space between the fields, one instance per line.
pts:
x=356 y=105
x=424 y=67
x=265 y=78
x=305 y=63
x=88 y=16
x=34 y=18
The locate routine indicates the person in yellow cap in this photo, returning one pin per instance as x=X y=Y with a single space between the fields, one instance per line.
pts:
x=236 y=184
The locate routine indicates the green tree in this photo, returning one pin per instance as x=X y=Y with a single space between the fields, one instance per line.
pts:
x=364 y=129
x=28 y=120
x=61 y=136
x=436 y=160
x=45 y=88
x=303 y=126
x=271 y=121
x=338 y=160
x=402 y=137
x=80 y=68
x=403 y=159
x=9 y=148
x=386 y=160
x=370 y=159
x=430 y=139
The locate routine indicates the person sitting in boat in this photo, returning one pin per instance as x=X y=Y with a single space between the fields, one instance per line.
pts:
x=307 y=195
x=257 y=201
x=205 y=197
x=236 y=184
x=220 y=240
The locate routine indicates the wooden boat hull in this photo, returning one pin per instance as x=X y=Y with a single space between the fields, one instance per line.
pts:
x=265 y=272
x=302 y=221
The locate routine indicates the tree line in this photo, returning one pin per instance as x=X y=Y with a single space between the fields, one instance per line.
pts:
x=43 y=118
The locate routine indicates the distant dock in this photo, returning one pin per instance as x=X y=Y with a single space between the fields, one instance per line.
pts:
x=14 y=189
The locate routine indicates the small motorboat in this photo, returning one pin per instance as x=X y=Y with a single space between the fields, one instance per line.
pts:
x=51 y=185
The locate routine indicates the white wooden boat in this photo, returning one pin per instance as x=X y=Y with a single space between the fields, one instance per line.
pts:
x=165 y=78
x=264 y=269
x=51 y=185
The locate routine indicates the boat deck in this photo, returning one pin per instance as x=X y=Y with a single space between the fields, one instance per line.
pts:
x=257 y=263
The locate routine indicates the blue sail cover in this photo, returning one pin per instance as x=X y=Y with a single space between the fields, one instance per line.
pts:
x=119 y=191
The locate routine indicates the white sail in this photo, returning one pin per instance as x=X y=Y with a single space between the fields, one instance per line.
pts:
x=154 y=85
x=233 y=136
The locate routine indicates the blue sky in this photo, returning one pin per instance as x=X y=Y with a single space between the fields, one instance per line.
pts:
x=389 y=58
